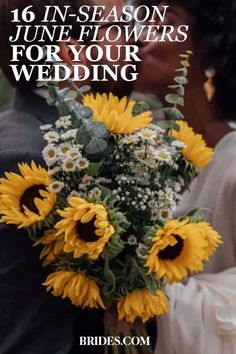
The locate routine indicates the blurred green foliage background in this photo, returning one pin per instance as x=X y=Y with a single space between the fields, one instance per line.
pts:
x=6 y=93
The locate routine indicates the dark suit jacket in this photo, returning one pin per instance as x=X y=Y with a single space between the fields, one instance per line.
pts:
x=31 y=320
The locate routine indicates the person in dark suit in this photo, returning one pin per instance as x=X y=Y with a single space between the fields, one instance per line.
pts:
x=32 y=321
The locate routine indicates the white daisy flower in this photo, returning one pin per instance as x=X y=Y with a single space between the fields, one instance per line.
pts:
x=82 y=163
x=46 y=127
x=70 y=134
x=52 y=137
x=163 y=155
x=64 y=122
x=69 y=165
x=129 y=139
x=64 y=148
x=157 y=128
x=96 y=192
x=147 y=134
x=56 y=187
x=50 y=154
x=74 y=154
x=178 y=144
x=140 y=154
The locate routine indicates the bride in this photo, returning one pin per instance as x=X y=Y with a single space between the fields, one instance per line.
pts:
x=202 y=318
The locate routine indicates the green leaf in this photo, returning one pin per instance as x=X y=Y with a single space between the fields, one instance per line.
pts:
x=96 y=147
x=183 y=70
x=182 y=80
x=97 y=129
x=185 y=63
x=110 y=278
x=168 y=124
x=173 y=113
x=83 y=137
x=113 y=248
x=174 y=99
x=178 y=88
x=94 y=168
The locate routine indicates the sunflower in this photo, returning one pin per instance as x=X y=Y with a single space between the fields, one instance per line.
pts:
x=180 y=247
x=195 y=150
x=85 y=227
x=53 y=246
x=116 y=114
x=81 y=290
x=24 y=197
x=142 y=304
x=211 y=236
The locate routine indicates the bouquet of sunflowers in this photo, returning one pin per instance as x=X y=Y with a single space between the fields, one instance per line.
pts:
x=104 y=205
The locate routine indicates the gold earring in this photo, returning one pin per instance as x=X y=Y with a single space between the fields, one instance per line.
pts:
x=208 y=86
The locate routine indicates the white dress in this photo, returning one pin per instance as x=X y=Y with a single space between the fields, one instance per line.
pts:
x=202 y=318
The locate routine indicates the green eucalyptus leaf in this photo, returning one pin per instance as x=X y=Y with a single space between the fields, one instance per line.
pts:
x=96 y=146
x=63 y=109
x=86 y=113
x=168 y=124
x=173 y=113
x=97 y=129
x=83 y=137
x=174 y=99
x=185 y=63
x=182 y=80
x=94 y=168
x=183 y=70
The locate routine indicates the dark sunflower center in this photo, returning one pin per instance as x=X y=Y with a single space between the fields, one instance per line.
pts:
x=86 y=231
x=172 y=252
x=28 y=197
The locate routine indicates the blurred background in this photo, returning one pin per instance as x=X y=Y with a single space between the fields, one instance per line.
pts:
x=6 y=93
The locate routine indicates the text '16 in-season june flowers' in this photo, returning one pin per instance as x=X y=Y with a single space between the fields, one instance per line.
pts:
x=102 y=208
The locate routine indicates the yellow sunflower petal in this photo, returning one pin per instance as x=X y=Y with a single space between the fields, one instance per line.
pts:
x=81 y=290
x=141 y=304
x=116 y=114
x=196 y=150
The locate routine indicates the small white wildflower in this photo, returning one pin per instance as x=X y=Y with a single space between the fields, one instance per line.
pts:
x=74 y=154
x=63 y=122
x=132 y=240
x=142 y=251
x=46 y=127
x=157 y=128
x=82 y=163
x=129 y=139
x=163 y=155
x=140 y=154
x=64 y=148
x=147 y=134
x=69 y=165
x=96 y=192
x=179 y=144
x=52 y=137
x=50 y=154
x=56 y=187
x=70 y=134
